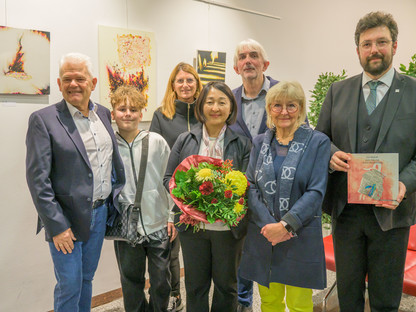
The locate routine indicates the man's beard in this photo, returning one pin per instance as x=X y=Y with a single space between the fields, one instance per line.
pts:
x=380 y=68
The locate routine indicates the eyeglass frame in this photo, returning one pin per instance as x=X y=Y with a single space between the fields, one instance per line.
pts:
x=272 y=108
x=381 y=43
x=189 y=81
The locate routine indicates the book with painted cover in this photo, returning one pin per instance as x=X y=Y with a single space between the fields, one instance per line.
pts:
x=373 y=178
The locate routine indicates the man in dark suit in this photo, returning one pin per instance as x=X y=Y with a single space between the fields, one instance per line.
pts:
x=371 y=240
x=250 y=62
x=71 y=156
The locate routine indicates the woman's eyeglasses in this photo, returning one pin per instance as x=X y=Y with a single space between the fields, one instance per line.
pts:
x=290 y=108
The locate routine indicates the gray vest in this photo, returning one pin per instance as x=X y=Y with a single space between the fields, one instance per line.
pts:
x=368 y=127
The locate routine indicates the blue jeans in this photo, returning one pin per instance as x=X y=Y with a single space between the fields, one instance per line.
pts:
x=245 y=290
x=74 y=271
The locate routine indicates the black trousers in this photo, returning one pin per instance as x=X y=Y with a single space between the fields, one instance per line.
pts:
x=132 y=265
x=211 y=255
x=362 y=248
x=175 y=268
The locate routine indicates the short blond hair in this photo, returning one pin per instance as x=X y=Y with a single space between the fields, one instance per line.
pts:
x=283 y=91
x=122 y=93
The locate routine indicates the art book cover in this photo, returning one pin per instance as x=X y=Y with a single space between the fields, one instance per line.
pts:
x=373 y=178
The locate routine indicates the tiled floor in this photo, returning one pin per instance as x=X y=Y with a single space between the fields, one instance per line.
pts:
x=408 y=303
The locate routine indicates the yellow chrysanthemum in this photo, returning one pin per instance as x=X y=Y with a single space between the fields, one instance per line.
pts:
x=237 y=179
x=204 y=174
x=238 y=208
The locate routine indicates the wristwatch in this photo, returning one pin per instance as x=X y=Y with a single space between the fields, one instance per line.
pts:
x=288 y=228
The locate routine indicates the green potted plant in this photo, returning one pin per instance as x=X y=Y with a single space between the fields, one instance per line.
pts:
x=325 y=80
x=411 y=71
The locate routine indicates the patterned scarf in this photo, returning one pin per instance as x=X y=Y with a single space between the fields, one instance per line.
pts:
x=265 y=177
x=217 y=148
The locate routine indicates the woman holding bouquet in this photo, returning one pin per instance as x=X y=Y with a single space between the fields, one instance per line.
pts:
x=283 y=251
x=212 y=253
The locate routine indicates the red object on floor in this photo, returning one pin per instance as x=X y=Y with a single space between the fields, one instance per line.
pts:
x=409 y=283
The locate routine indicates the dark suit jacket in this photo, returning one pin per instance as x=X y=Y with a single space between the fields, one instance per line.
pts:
x=338 y=120
x=240 y=126
x=236 y=147
x=59 y=174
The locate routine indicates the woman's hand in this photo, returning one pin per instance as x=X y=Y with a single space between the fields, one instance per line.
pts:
x=275 y=233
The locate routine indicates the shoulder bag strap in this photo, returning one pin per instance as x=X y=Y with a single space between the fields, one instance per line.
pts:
x=142 y=171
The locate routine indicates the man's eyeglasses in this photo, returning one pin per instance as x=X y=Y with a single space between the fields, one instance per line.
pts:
x=380 y=44
x=290 y=108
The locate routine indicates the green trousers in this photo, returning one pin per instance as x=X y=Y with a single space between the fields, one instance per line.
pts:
x=278 y=296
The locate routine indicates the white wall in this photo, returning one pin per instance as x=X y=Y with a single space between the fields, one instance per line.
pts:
x=312 y=37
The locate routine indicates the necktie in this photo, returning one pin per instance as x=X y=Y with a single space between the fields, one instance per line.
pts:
x=371 y=100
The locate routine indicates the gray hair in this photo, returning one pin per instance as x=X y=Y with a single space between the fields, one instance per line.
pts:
x=77 y=58
x=251 y=44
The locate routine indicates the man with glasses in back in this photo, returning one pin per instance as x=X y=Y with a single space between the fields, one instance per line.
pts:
x=373 y=112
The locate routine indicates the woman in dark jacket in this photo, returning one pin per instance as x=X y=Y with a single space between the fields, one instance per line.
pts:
x=213 y=253
x=283 y=251
x=175 y=116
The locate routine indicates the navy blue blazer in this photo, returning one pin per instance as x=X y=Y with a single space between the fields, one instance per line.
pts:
x=59 y=174
x=299 y=261
x=240 y=126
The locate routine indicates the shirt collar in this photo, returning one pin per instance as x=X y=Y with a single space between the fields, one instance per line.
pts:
x=265 y=87
x=387 y=78
x=75 y=111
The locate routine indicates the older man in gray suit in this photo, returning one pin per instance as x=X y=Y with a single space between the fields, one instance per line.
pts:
x=374 y=112
x=71 y=156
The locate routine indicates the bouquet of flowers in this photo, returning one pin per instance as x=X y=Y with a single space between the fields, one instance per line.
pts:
x=208 y=190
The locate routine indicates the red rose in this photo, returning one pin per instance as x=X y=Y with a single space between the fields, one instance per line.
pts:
x=228 y=193
x=214 y=201
x=206 y=188
x=241 y=201
x=217 y=162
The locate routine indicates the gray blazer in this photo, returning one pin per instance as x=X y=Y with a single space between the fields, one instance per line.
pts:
x=59 y=174
x=338 y=120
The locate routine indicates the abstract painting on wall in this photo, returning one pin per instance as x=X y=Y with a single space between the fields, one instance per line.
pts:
x=24 y=61
x=211 y=66
x=127 y=57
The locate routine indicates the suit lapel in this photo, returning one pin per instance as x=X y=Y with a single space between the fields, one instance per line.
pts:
x=65 y=118
x=393 y=101
x=352 y=103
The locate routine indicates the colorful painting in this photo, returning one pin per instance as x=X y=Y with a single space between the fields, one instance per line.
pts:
x=127 y=57
x=24 y=61
x=211 y=66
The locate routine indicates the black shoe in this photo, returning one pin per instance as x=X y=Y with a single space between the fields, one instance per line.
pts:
x=243 y=308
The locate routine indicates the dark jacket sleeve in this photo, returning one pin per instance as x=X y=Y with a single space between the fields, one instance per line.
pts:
x=38 y=168
x=155 y=124
x=174 y=159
